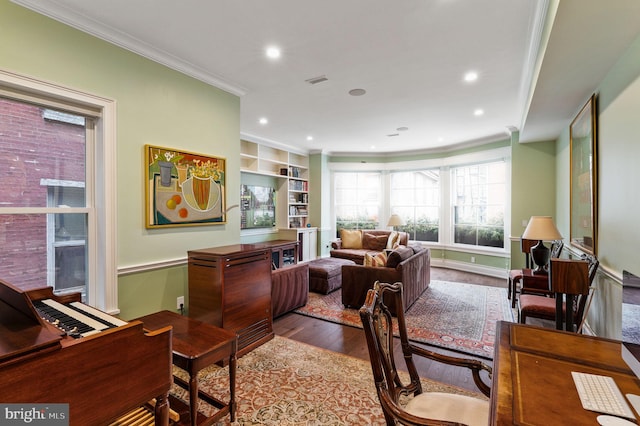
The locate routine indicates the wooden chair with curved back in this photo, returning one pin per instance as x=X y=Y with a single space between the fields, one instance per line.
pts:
x=570 y=281
x=422 y=408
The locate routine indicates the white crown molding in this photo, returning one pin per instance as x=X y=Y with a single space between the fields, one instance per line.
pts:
x=273 y=144
x=535 y=53
x=497 y=137
x=69 y=17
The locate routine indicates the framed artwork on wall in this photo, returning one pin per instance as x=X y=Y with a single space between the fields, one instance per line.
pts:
x=583 y=178
x=183 y=188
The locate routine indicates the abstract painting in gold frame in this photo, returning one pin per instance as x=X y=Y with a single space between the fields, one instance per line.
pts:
x=183 y=188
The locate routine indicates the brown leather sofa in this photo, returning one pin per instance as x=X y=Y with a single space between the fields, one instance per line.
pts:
x=409 y=265
x=373 y=242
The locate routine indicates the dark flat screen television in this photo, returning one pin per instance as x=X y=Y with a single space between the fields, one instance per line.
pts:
x=257 y=207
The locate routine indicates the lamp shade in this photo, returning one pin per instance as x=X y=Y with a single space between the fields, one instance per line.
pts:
x=395 y=220
x=541 y=228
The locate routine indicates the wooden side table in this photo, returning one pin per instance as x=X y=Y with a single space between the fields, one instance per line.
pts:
x=197 y=345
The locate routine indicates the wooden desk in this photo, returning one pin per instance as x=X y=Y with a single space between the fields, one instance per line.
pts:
x=532 y=383
x=197 y=345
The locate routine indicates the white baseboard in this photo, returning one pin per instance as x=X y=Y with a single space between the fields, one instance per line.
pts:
x=470 y=267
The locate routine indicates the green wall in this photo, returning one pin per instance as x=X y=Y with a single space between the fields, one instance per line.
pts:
x=533 y=187
x=618 y=154
x=155 y=105
x=320 y=192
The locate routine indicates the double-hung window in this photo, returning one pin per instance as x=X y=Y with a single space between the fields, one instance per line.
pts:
x=57 y=195
x=415 y=197
x=357 y=200
x=478 y=199
x=455 y=201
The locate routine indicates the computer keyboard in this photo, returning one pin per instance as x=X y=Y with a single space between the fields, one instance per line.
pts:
x=601 y=394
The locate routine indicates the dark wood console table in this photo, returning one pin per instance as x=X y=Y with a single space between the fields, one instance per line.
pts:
x=230 y=288
x=532 y=383
x=283 y=252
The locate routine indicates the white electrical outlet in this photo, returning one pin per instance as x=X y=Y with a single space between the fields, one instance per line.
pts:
x=180 y=302
x=473 y=259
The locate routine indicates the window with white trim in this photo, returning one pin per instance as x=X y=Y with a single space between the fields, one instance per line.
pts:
x=57 y=153
x=415 y=197
x=45 y=159
x=478 y=200
x=452 y=201
x=357 y=200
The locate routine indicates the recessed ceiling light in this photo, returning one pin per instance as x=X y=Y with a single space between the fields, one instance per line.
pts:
x=309 y=138
x=273 y=52
x=402 y=129
x=373 y=147
x=263 y=120
x=471 y=76
x=478 y=112
x=440 y=139
x=357 y=92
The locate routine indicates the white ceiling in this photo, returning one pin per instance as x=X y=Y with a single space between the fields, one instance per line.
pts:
x=538 y=61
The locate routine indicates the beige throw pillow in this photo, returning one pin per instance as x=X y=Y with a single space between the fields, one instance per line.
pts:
x=351 y=238
x=392 y=240
x=378 y=260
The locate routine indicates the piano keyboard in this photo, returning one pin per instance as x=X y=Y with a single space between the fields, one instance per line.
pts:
x=76 y=319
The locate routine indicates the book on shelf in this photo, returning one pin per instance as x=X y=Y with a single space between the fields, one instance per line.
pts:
x=294 y=171
x=298 y=185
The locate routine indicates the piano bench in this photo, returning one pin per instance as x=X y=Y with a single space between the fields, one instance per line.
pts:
x=143 y=416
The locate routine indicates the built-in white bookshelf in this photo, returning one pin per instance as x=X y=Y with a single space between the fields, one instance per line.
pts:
x=293 y=170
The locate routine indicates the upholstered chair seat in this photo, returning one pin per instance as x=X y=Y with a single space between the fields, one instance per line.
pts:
x=402 y=399
x=534 y=306
x=449 y=407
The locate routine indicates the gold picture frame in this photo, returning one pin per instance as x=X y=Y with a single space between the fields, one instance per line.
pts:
x=583 y=178
x=183 y=188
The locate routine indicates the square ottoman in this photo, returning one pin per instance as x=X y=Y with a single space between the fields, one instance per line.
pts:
x=325 y=274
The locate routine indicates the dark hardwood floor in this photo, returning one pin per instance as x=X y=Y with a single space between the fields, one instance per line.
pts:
x=351 y=341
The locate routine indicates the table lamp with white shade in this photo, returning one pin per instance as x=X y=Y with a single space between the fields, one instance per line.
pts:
x=395 y=221
x=541 y=228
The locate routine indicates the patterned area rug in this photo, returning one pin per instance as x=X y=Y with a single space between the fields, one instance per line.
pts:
x=456 y=316
x=285 y=382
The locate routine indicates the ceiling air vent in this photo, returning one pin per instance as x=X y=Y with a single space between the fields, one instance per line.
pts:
x=316 y=80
